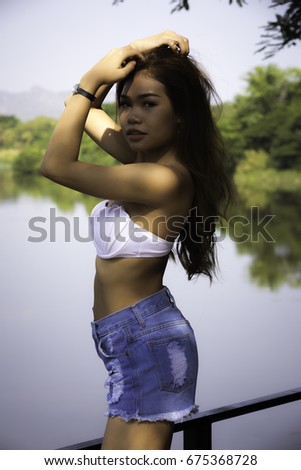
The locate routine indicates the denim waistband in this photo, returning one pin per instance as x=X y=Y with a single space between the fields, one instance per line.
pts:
x=137 y=311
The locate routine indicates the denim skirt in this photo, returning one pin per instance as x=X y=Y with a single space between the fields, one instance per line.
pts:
x=150 y=353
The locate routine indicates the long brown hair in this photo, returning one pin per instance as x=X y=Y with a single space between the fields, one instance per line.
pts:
x=200 y=148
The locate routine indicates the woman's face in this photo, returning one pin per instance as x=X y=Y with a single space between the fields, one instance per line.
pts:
x=147 y=117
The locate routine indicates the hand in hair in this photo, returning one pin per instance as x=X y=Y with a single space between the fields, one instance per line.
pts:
x=114 y=66
x=169 y=38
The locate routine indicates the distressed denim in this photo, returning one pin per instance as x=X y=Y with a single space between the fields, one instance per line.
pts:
x=150 y=353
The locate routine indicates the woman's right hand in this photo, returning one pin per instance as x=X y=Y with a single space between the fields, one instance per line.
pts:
x=120 y=62
x=113 y=67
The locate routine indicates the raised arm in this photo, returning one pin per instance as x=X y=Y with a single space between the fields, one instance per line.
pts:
x=104 y=130
x=61 y=159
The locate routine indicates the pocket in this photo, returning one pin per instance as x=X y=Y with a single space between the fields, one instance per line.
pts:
x=176 y=362
x=111 y=345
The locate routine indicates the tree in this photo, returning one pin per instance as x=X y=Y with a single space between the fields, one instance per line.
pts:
x=27 y=142
x=7 y=137
x=28 y=161
x=283 y=32
x=267 y=117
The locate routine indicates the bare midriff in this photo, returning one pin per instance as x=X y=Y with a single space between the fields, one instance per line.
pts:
x=121 y=282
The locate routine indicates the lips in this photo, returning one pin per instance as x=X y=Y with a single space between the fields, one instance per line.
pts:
x=134 y=135
x=134 y=132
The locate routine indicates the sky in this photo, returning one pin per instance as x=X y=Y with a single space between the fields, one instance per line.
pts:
x=52 y=43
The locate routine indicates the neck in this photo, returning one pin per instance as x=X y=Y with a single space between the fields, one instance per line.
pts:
x=160 y=156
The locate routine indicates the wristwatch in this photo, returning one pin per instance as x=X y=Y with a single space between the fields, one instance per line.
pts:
x=80 y=91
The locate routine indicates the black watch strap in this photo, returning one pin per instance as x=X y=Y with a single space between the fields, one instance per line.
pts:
x=80 y=91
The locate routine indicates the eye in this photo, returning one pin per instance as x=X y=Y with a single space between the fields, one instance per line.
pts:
x=123 y=104
x=149 y=104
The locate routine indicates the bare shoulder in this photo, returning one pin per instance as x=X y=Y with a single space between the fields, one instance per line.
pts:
x=164 y=190
x=180 y=179
x=165 y=182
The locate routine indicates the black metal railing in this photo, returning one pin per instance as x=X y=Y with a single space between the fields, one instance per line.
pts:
x=197 y=429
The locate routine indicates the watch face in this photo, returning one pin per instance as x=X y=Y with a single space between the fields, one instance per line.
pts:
x=75 y=89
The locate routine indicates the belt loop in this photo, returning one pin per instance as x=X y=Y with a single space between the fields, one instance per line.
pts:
x=138 y=316
x=171 y=297
x=93 y=329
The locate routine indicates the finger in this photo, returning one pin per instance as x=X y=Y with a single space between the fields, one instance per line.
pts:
x=130 y=52
x=182 y=45
x=175 y=46
x=178 y=42
x=131 y=55
x=126 y=69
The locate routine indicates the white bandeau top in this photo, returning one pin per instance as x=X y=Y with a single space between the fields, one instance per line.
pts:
x=115 y=235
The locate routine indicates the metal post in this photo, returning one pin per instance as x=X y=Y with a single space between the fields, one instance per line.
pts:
x=198 y=436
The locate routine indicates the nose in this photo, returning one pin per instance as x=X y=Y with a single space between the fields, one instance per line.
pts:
x=133 y=116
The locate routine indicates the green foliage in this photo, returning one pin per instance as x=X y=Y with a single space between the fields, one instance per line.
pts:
x=26 y=141
x=253 y=161
x=36 y=132
x=7 y=122
x=267 y=117
x=8 y=127
x=23 y=144
x=18 y=134
x=234 y=139
x=28 y=161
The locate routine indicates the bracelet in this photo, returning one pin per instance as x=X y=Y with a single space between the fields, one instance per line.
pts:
x=80 y=91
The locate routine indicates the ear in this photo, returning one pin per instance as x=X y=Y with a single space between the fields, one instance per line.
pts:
x=179 y=125
x=179 y=122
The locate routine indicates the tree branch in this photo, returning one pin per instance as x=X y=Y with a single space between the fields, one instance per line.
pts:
x=284 y=31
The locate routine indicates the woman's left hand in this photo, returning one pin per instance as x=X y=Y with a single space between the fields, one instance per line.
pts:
x=169 y=38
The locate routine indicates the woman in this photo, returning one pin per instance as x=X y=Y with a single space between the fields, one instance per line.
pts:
x=168 y=192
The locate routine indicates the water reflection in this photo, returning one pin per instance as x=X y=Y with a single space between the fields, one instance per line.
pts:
x=271 y=237
x=267 y=228
x=13 y=186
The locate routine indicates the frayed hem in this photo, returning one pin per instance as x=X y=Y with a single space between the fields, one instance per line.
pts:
x=174 y=416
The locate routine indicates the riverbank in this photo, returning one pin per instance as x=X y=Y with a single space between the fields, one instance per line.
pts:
x=254 y=188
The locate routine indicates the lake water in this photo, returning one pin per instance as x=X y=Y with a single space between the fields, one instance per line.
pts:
x=247 y=323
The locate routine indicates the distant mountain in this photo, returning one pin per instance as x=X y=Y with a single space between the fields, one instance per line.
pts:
x=30 y=104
